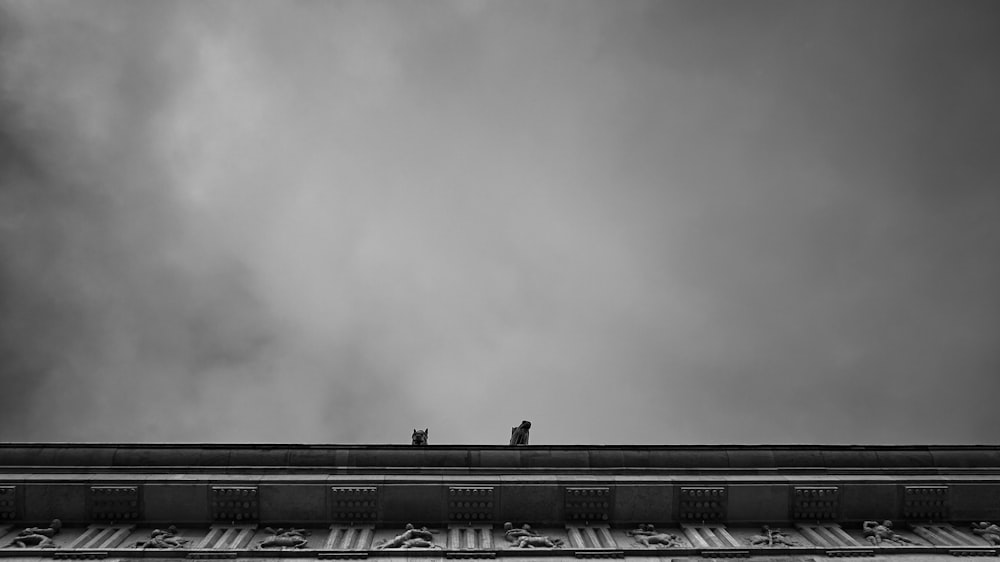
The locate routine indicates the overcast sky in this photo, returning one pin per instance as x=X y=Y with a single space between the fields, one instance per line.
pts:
x=628 y=222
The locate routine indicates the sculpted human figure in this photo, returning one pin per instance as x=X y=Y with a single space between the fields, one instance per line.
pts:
x=988 y=531
x=163 y=538
x=39 y=537
x=877 y=533
x=419 y=437
x=526 y=537
x=540 y=541
x=412 y=538
x=514 y=535
x=771 y=537
x=284 y=538
x=519 y=434
x=648 y=536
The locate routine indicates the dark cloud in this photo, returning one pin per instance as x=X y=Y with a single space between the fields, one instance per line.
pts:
x=648 y=222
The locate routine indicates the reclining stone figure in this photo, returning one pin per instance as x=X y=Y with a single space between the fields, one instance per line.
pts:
x=412 y=538
x=526 y=537
x=648 y=536
x=38 y=537
x=163 y=538
x=771 y=537
x=877 y=533
x=284 y=538
x=988 y=531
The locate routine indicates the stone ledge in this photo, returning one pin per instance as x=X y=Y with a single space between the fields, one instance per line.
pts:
x=500 y=457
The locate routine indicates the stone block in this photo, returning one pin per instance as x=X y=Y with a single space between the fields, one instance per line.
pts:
x=553 y=459
x=536 y=504
x=606 y=458
x=753 y=503
x=259 y=456
x=750 y=458
x=975 y=502
x=177 y=504
x=903 y=458
x=860 y=502
x=318 y=457
x=847 y=458
x=413 y=503
x=292 y=504
x=500 y=458
x=636 y=504
x=44 y=502
x=688 y=458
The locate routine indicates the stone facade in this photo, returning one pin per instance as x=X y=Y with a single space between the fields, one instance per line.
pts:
x=207 y=501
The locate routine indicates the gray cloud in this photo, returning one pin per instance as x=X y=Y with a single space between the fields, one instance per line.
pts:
x=647 y=222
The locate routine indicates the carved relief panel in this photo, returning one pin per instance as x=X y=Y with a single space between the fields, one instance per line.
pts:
x=815 y=503
x=471 y=503
x=470 y=537
x=228 y=537
x=234 y=503
x=710 y=536
x=926 y=503
x=703 y=503
x=115 y=503
x=827 y=535
x=102 y=536
x=942 y=534
x=592 y=503
x=8 y=503
x=647 y=535
x=350 y=537
x=352 y=504
x=590 y=536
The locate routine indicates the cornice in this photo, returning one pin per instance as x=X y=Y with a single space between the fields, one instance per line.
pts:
x=456 y=459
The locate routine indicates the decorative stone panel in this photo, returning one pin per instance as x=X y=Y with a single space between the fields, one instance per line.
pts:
x=102 y=536
x=926 y=503
x=344 y=537
x=709 y=536
x=354 y=504
x=815 y=503
x=588 y=504
x=703 y=503
x=471 y=503
x=590 y=536
x=470 y=537
x=944 y=535
x=228 y=537
x=827 y=535
x=8 y=503
x=115 y=503
x=234 y=503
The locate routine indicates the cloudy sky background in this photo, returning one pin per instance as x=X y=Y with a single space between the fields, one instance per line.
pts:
x=629 y=222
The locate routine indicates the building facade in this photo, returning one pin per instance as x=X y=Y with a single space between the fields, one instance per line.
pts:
x=97 y=501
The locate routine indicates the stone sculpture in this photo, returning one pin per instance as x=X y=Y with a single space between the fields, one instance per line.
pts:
x=771 y=537
x=419 y=438
x=988 y=531
x=163 y=538
x=877 y=533
x=284 y=538
x=412 y=538
x=519 y=434
x=525 y=537
x=648 y=536
x=38 y=537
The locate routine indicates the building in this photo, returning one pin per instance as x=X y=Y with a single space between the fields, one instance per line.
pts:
x=333 y=501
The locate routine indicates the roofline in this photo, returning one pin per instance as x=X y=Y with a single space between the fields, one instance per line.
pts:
x=501 y=457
